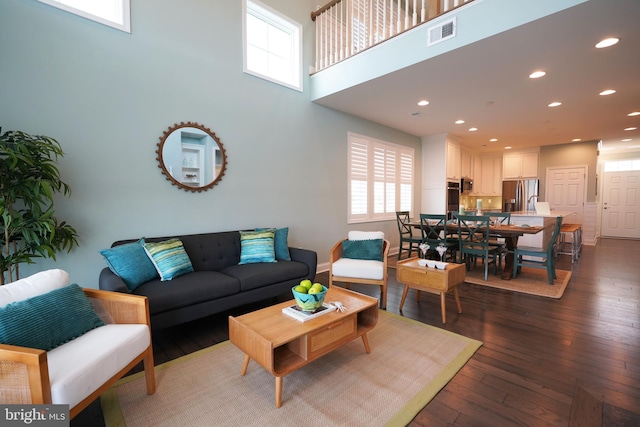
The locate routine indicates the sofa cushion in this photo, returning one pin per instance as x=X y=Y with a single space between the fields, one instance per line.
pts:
x=48 y=320
x=78 y=368
x=365 y=235
x=363 y=249
x=169 y=258
x=257 y=275
x=131 y=263
x=358 y=268
x=280 y=242
x=36 y=284
x=188 y=289
x=257 y=246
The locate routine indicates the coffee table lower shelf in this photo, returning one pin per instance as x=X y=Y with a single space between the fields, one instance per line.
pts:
x=281 y=344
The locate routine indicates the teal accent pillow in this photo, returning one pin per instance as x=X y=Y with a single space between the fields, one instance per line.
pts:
x=169 y=258
x=131 y=262
x=280 y=242
x=362 y=249
x=257 y=246
x=49 y=320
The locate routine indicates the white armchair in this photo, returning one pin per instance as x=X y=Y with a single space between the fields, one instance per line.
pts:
x=365 y=271
x=78 y=371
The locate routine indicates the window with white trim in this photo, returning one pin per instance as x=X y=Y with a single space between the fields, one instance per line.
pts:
x=622 y=165
x=380 y=178
x=114 y=13
x=272 y=45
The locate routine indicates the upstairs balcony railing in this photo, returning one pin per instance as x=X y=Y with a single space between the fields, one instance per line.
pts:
x=347 y=27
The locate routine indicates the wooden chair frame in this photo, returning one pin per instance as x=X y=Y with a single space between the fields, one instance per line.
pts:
x=473 y=232
x=122 y=309
x=336 y=253
x=435 y=233
x=405 y=231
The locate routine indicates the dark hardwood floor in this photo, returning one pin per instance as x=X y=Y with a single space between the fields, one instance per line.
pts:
x=538 y=353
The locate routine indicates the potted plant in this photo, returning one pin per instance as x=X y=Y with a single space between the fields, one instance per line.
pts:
x=29 y=179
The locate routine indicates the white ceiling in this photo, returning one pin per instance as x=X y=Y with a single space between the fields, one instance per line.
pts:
x=487 y=85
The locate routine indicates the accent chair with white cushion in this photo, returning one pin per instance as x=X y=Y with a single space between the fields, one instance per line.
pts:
x=107 y=334
x=361 y=258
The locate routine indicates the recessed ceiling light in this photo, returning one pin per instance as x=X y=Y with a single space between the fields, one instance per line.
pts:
x=607 y=42
x=555 y=104
x=507 y=147
x=423 y=103
x=537 y=74
x=493 y=140
x=607 y=92
x=459 y=122
x=473 y=129
x=576 y=140
x=626 y=140
x=634 y=128
x=635 y=113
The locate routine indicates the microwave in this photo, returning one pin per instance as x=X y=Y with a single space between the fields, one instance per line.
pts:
x=466 y=185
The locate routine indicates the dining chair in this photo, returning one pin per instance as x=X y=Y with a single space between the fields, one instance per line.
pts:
x=406 y=234
x=473 y=237
x=499 y=218
x=433 y=228
x=546 y=256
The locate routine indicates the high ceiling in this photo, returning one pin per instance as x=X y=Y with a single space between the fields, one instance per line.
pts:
x=487 y=85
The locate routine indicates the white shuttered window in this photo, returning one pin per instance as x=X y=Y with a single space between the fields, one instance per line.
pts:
x=380 y=179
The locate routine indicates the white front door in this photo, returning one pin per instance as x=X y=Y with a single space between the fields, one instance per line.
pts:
x=565 y=191
x=621 y=205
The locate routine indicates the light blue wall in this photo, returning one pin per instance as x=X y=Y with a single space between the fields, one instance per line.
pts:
x=107 y=96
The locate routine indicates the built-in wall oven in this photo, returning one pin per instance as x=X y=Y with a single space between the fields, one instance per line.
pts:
x=453 y=198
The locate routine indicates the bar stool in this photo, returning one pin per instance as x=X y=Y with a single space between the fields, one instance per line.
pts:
x=575 y=230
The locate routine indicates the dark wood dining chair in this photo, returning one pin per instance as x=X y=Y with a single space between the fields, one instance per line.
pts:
x=473 y=236
x=433 y=228
x=546 y=257
x=499 y=218
x=406 y=234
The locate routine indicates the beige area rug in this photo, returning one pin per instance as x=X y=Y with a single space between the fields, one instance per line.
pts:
x=531 y=281
x=408 y=364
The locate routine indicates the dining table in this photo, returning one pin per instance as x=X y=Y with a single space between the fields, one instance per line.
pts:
x=510 y=233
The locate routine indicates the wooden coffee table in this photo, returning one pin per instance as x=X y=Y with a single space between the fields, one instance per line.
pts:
x=282 y=344
x=431 y=280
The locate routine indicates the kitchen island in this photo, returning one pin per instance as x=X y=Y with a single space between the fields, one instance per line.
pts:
x=540 y=240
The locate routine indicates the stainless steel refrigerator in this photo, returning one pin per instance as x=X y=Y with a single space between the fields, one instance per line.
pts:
x=520 y=195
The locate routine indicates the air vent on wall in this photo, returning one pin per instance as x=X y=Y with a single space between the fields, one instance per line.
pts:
x=442 y=31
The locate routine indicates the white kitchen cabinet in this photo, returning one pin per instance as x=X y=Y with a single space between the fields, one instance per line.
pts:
x=521 y=165
x=453 y=161
x=467 y=163
x=491 y=176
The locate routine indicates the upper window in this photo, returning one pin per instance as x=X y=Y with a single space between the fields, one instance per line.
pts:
x=380 y=179
x=622 y=165
x=114 y=13
x=272 y=45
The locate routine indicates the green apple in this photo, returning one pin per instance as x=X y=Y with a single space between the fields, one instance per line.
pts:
x=318 y=287
x=301 y=289
x=306 y=283
x=314 y=291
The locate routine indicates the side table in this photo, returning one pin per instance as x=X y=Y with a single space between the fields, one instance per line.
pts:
x=431 y=280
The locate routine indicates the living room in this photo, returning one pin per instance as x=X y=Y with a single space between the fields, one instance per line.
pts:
x=108 y=96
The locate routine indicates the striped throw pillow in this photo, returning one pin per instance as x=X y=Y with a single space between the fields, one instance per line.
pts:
x=257 y=246
x=169 y=258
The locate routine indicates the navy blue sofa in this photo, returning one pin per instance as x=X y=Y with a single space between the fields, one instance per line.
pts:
x=217 y=283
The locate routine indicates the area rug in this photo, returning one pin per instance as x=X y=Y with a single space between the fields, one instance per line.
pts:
x=408 y=364
x=531 y=281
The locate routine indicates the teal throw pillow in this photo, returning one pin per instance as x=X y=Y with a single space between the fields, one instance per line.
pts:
x=362 y=249
x=169 y=258
x=280 y=242
x=131 y=262
x=257 y=246
x=49 y=320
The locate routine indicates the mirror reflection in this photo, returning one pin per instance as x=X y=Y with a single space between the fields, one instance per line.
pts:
x=191 y=156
